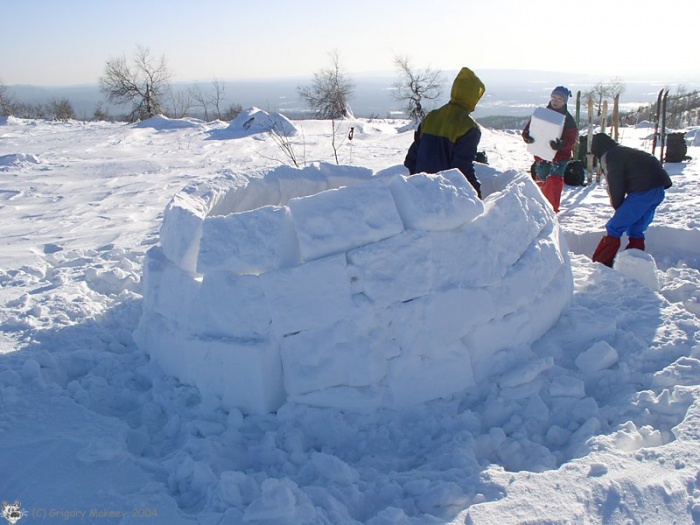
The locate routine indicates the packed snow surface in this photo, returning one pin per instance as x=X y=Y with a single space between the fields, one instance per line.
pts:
x=590 y=414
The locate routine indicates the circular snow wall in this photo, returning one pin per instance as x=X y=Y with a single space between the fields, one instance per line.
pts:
x=335 y=286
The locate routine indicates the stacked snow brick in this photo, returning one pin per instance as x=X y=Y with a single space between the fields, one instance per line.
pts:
x=335 y=286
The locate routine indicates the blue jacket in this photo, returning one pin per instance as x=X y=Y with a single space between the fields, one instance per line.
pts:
x=448 y=137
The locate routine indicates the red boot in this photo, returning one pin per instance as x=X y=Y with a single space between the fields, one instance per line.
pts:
x=636 y=243
x=606 y=250
x=552 y=189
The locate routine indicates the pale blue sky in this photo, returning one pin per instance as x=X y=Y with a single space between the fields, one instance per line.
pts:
x=67 y=42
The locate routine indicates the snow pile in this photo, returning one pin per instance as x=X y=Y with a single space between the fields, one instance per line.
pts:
x=334 y=286
x=693 y=136
x=255 y=120
x=17 y=159
x=9 y=120
x=163 y=123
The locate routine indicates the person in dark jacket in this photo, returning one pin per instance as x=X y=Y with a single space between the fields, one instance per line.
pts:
x=550 y=175
x=448 y=136
x=636 y=184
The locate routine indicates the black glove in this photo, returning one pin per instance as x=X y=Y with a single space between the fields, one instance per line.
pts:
x=556 y=144
x=527 y=138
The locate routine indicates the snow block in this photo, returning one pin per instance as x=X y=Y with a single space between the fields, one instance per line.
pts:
x=435 y=202
x=251 y=242
x=243 y=375
x=335 y=221
x=309 y=296
x=536 y=268
x=440 y=319
x=184 y=216
x=169 y=290
x=385 y=284
x=339 y=176
x=257 y=192
x=418 y=379
x=230 y=306
x=545 y=125
x=295 y=182
x=339 y=355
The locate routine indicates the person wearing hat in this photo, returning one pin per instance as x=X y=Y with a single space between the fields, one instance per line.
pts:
x=636 y=184
x=448 y=136
x=549 y=175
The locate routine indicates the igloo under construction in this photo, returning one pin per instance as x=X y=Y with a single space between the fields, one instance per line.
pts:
x=337 y=286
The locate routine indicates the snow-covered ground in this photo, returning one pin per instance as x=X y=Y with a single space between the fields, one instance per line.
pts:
x=597 y=421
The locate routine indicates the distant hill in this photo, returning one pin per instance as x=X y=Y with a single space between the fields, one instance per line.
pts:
x=509 y=93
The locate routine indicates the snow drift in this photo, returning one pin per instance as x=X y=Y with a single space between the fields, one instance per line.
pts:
x=336 y=286
x=254 y=120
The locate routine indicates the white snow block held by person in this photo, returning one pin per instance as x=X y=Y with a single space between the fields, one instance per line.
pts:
x=377 y=292
x=545 y=125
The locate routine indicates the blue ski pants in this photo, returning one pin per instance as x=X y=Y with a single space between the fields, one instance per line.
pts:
x=635 y=214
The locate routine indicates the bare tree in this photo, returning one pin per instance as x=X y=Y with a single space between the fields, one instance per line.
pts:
x=283 y=138
x=209 y=100
x=232 y=112
x=604 y=91
x=218 y=91
x=415 y=86
x=60 y=109
x=101 y=113
x=144 y=84
x=329 y=93
x=5 y=101
x=180 y=102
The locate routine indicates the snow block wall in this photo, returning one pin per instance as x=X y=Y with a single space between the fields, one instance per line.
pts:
x=335 y=286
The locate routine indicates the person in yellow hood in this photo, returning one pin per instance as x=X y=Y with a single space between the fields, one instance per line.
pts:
x=448 y=136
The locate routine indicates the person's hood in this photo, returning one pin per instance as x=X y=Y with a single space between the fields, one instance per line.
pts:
x=601 y=143
x=467 y=89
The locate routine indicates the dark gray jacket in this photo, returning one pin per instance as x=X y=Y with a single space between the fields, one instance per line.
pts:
x=628 y=170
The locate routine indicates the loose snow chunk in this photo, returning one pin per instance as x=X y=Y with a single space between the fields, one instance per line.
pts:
x=251 y=242
x=443 y=201
x=281 y=502
x=638 y=265
x=565 y=386
x=338 y=220
x=526 y=373
x=598 y=357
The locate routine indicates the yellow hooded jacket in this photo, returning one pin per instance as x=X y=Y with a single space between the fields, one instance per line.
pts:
x=448 y=136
